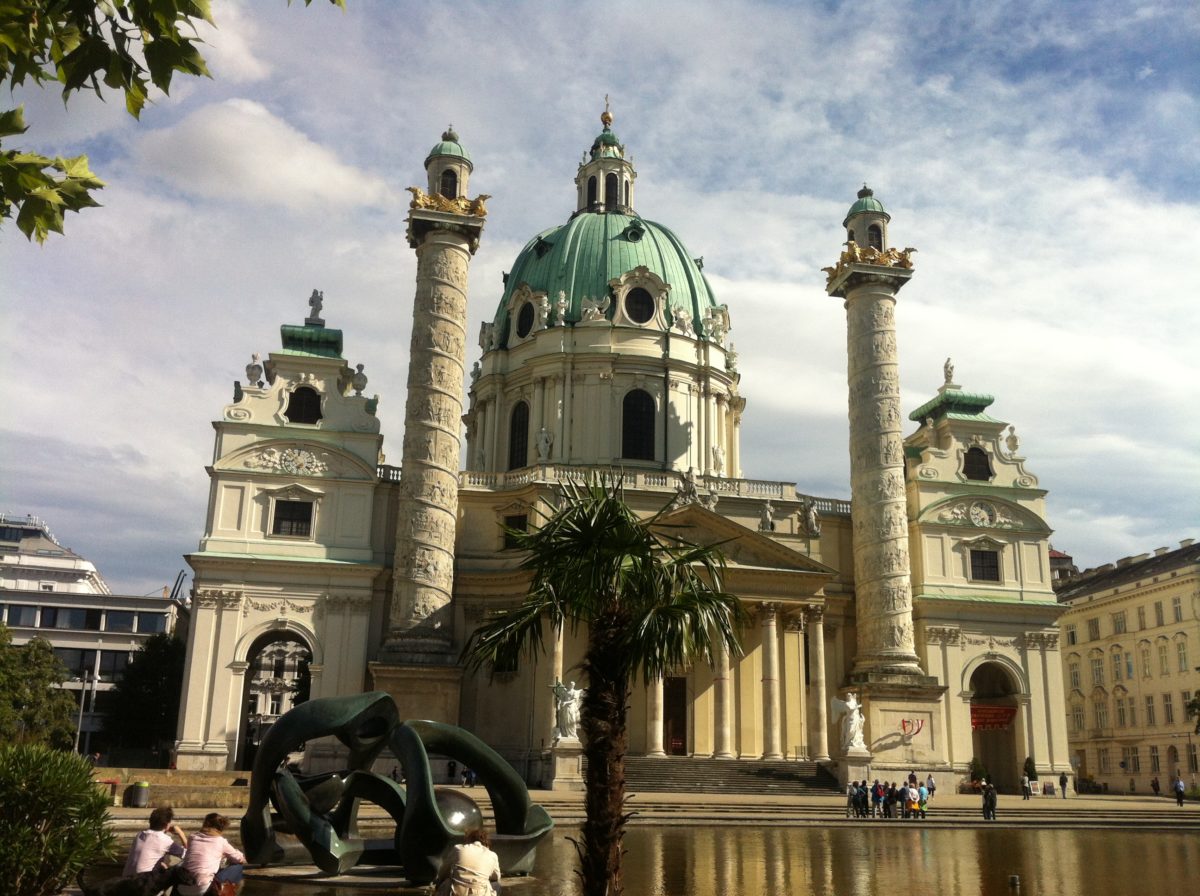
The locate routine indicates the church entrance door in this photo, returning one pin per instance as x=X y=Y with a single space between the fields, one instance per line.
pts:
x=675 y=706
x=994 y=722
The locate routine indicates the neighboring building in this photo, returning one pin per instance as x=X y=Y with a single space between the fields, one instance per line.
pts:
x=1131 y=648
x=609 y=351
x=49 y=591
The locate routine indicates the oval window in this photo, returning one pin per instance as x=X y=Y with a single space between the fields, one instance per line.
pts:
x=525 y=320
x=639 y=305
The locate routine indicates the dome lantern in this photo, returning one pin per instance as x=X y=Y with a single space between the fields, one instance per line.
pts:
x=449 y=166
x=866 y=221
x=605 y=179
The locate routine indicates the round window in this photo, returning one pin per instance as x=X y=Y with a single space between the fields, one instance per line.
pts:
x=639 y=305
x=525 y=320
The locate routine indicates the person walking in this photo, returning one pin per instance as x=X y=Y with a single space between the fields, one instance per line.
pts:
x=1179 y=789
x=989 y=802
x=1062 y=784
x=1154 y=785
x=1026 y=790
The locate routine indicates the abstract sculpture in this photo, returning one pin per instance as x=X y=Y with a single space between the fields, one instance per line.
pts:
x=315 y=817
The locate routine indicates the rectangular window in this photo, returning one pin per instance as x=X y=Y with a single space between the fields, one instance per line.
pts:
x=1181 y=653
x=22 y=615
x=1094 y=629
x=1164 y=663
x=278 y=670
x=70 y=618
x=518 y=522
x=118 y=621
x=985 y=566
x=47 y=586
x=293 y=519
x=1187 y=698
x=1122 y=720
x=1072 y=637
x=152 y=623
x=1150 y=723
x=1168 y=710
x=1077 y=717
x=1177 y=609
x=1132 y=712
x=112 y=664
x=1145 y=662
x=1158 y=613
x=1135 y=760
x=1193 y=760
x=1116 y=667
x=1129 y=665
x=1141 y=617
x=276 y=704
x=1097 y=671
x=1118 y=620
x=1102 y=755
x=1074 y=673
x=1155 y=765
x=1100 y=713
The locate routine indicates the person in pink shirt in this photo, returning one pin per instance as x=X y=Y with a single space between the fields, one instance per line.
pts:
x=152 y=846
x=207 y=849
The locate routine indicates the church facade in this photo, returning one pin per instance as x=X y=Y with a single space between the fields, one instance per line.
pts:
x=928 y=594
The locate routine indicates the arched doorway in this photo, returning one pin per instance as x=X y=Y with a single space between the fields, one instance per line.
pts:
x=994 y=714
x=277 y=678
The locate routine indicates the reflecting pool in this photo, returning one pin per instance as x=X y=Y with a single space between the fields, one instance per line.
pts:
x=849 y=861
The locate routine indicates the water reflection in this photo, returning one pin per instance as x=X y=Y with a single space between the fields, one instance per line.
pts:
x=872 y=860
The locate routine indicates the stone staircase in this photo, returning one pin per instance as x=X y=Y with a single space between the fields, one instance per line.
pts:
x=181 y=789
x=680 y=774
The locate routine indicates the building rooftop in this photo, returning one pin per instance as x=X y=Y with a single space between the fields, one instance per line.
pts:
x=1127 y=570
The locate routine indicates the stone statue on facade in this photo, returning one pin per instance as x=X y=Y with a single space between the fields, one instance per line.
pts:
x=852 y=722
x=948 y=371
x=568 y=700
x=718 y=459
x=594 y=309
x=685 y=491
x=683 y=320
x=766 y=520
x=560 y=309
x=545 y=441
x=1012 y=441
x=810 y=522
x=315 y=301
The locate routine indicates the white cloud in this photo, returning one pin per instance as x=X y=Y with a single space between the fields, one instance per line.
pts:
x=231 y=48
x=238 y=150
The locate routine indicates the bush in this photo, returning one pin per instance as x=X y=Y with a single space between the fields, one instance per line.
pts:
x=977 y=770
x=1031 y=768
x=53 y=819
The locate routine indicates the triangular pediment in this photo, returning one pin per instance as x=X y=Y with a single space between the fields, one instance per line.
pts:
x=743 y=547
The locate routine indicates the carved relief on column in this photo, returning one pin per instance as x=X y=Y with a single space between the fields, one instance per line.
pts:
x=883 y=595
x=423 y=572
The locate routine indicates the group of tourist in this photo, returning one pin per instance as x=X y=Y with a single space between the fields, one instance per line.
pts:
x=889 y=799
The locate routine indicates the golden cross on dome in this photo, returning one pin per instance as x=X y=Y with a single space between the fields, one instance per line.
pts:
x=606 y=118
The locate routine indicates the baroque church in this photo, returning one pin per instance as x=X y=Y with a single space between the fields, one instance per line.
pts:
x=927 y=595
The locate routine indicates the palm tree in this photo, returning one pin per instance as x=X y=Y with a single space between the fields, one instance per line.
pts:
x=650 y=602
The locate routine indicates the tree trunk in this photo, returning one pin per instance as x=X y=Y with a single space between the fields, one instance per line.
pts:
x=605 y=704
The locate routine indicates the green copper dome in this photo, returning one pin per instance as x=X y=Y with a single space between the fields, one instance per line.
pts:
x=449 y=147
x=582 y=256
x=866 y=203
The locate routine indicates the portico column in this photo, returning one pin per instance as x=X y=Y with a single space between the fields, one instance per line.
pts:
x=654 y=718
x=770 y=646
x=723 y=709
x=556 y=670
x=816 y=635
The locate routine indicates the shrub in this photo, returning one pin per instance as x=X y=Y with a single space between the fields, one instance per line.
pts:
x=53 y=819
x=1031 y=768
x=977 y=770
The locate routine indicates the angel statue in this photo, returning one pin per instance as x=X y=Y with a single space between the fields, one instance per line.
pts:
x=852 y=721
x=567 y=701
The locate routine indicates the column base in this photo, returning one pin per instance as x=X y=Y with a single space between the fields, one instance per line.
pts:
x=201 y=757
x=422 y=690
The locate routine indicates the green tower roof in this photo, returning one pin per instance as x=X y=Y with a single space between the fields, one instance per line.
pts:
x=866 y=203
x=311 y=339
x=955 y=403
x=580 y=257
x=449 y=147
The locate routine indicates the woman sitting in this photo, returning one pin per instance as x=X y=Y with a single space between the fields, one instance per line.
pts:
x=469 y=869
x=207 y=849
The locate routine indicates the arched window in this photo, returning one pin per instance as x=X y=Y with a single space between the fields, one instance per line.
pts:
x=976 y=465
x=518 y=436
x=304 y=405
x=852 y=239
x=612 y=195
x=637 y=426
x=591 y=196
x=626 y=192
x=449 y=184
x=875 y=237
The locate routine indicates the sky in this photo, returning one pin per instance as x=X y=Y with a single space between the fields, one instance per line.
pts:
x=1041 y=156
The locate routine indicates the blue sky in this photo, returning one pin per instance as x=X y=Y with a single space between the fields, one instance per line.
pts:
x=1041 y=156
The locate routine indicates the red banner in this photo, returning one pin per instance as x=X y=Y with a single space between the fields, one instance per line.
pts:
x=992 y=718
